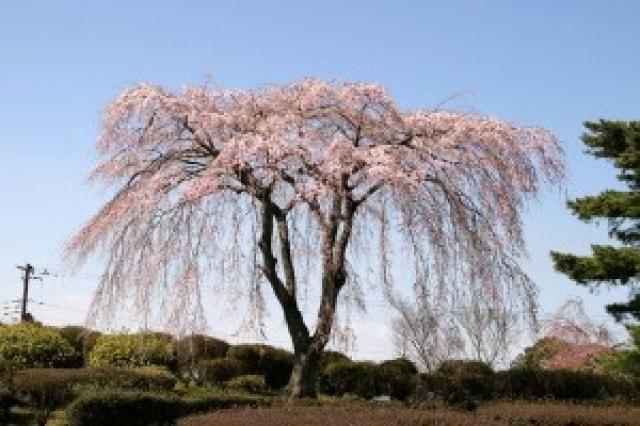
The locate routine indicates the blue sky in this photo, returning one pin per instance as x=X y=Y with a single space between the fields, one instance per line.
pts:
x=548 y=63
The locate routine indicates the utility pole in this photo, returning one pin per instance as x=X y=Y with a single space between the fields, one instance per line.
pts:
x=27 y=276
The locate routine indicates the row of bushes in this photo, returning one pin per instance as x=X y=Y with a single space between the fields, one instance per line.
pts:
x=144 y=408
x=35 y=346
x=458 y=381
x=48 y=388
x=366 y=379
x=272 y=363
x=525 y=383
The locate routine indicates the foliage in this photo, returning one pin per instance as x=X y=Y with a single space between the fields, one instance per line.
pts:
x=7 y=371
x=252 y=383
x=616 y=141
x=585 y=357
x=402 y=365
x=133 y=350
x=625 y=362
x=536 y=355
x=50 y=388
x=143 y=408
x=273 y=363
x=31 y=345
x=563 y=384
x=125 y=408
x=524 y=383
x=81 y=339
x=322 y=158
x=202 y=401
x=191 y=349
x=396 y=378
x=220 y=370
x=460 y=367
x=329 y=357
x=349 y=377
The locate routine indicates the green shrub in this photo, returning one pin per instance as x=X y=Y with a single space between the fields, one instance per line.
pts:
x=133 y=350
x=544 y=349
x=622 y=363
x=31 y=345
x=251 y=383
x=464 y=367
x=143 y=408
x=455 y=389
x=273 y=363
x=81 y=339
x=400 y=364
x=194 y=348
x=625 y=363
x=349 y=377
x=7 y=370
x=396 y=378
x=125 y=408
x=562 y=384
x=329 y=357
x=216 y=371
x=249 y=354
x=48 y=388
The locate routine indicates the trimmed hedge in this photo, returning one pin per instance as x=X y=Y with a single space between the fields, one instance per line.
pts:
x=523 y=383
x=458 y=367
x=134 y=350
x=251 y=383
x=329 y=357
x=348 y=377
x=194 y=348
x=51 y=388
x=216 y=371
x=34 y=346
x=272 y=363
x=563 y=384
x=396 y=378
x=81 y=339
x=125 y=408
x=107 y=408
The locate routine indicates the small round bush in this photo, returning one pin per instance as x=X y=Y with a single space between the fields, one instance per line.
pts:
x=30 y=345
x=216 y=371
x=196 y=347
x=402 y=365
x=249 y=354
x=396 y=378
x=252 y=383
x=329 y=357
x=348 y=377
x=123 y=407
x=81 y=339
x=133 y=350
x=276 y=365
x=273 y=363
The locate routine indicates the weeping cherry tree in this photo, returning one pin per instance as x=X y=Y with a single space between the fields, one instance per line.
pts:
x=306 y=183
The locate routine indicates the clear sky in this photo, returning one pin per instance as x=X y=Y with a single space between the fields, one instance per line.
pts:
x=547 y=63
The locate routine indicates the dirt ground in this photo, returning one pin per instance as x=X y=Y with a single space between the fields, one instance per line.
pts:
x=360 y=414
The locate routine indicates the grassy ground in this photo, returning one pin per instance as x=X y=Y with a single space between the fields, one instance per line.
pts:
x=356 y=414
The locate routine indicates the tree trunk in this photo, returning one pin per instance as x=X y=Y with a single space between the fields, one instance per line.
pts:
x=304 y=376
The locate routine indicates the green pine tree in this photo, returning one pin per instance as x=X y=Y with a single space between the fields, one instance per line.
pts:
x=618 y=141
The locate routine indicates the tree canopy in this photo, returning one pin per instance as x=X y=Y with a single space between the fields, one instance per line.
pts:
x=618 y=141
